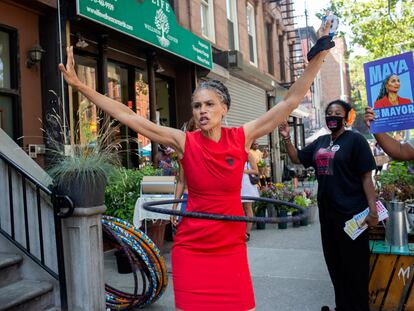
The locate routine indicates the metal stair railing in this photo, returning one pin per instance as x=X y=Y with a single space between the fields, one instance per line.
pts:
x=25 y=216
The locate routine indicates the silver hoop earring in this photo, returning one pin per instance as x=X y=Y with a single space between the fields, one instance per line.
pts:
x=225 y=121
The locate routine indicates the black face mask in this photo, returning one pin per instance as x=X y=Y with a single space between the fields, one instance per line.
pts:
x=334 y=123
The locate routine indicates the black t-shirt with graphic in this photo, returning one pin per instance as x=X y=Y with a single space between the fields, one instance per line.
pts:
x=339 y=168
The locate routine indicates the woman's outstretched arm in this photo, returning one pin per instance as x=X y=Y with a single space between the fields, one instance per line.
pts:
x=161 y=134
x=279 y=113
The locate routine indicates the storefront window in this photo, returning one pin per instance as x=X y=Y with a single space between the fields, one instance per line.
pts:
x=4 y=60
x=9 y=118
x=143 y=110
x=6 y=113
x=85 y=109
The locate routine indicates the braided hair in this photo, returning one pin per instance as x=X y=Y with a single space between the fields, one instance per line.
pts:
x=218 y=87
x=347 y=107
x=383 y=91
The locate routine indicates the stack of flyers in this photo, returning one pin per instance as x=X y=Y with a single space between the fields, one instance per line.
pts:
x=352 y=226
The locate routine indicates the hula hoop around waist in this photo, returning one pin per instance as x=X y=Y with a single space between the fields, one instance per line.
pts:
x=303 y=212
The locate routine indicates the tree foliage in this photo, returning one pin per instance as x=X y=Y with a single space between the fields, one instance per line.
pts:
x=383 y=28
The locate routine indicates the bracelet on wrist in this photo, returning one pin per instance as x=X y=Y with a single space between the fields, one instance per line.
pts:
x=373 y=214
x=286 y=138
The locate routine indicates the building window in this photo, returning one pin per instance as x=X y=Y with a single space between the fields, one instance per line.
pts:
x=269 y=47
x=207 y=19
x=282 y=59
x=251 y=31
x=232 y=27
x=9 y=93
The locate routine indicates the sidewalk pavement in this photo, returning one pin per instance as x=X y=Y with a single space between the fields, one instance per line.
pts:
x=287 y=268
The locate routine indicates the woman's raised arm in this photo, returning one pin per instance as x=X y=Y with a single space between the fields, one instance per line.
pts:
x=160 y=134
x=279 y=113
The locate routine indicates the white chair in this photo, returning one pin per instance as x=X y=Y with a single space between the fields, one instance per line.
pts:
x=154 y=188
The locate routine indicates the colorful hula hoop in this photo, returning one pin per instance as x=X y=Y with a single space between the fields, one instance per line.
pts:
x=145 y=260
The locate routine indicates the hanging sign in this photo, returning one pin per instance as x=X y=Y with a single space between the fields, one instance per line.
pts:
x=151 y=21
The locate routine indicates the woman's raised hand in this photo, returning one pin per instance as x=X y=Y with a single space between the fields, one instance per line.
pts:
x=68 y=71
x=324 y=29
x=369 y=116
x=284 y=129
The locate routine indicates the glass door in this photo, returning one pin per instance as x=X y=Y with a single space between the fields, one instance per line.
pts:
x=118 y=90
x=143 y=110
x=84 y=113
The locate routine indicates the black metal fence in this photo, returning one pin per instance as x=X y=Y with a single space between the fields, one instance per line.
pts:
x=29 y=215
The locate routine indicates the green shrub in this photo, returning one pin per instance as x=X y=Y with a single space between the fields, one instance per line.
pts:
x=123 y=190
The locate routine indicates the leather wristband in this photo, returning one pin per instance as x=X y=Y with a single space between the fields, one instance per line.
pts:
x=323 y=43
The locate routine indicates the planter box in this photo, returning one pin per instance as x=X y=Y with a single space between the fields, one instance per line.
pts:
x=282 y=213
x=156 y=232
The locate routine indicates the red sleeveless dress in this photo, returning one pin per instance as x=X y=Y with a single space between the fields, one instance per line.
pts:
x=209 y=258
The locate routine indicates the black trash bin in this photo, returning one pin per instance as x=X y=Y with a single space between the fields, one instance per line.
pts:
x=122 y=262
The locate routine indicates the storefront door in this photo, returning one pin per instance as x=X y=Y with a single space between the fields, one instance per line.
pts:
x=164 y=88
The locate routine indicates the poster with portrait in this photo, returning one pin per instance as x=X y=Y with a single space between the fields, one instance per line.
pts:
x=390 y=89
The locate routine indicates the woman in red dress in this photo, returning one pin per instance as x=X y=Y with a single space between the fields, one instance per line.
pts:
x=209 y=258
x=388 y=95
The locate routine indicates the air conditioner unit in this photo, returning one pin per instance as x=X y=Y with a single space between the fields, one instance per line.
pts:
x=229 y=59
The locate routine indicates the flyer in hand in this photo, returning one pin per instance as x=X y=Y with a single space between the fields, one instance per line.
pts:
x=352 y=226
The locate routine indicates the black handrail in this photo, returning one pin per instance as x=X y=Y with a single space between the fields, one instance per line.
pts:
x=58 y=202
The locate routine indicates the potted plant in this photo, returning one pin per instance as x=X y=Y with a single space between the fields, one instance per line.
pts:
x=121 y=194
x=396 y=184
x=259 y=208
x=395 y=189
x=80 y=165
x=303 y=200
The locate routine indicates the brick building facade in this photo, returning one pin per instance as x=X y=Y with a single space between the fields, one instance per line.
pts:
x=335 y=74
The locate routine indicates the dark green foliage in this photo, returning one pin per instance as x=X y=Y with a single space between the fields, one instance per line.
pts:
x=123 y=190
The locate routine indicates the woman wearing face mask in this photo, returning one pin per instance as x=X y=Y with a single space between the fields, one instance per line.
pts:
x=343 y=163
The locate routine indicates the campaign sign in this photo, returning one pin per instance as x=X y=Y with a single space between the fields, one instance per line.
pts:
x=390 y=88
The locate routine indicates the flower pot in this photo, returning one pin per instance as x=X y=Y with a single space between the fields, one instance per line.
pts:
x=122 y=262
x=156 y=232
x=261 y=212
x=305 y=221
x=282 y=213
x=296 y=223
x=84 y=191
x=313 y=214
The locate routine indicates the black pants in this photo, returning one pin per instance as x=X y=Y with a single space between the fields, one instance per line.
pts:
x=347 y=260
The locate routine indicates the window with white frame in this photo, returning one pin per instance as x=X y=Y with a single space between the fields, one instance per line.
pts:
x=251 y=31
x=207 y=19
x=232 y=27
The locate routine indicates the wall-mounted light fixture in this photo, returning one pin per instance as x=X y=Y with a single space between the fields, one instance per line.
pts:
x=157 y=66
x=34 y=55
x=81 y=43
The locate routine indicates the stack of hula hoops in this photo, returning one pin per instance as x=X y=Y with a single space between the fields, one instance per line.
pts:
x=146 y=262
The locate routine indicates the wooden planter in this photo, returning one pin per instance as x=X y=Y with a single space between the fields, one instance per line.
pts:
x=391 y=281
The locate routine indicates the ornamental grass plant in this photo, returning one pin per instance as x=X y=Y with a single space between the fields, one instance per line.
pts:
x=83 y=162
x=69 y=158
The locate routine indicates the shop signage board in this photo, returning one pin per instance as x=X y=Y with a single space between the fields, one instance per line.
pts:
x=151 y=21
x=394 y=75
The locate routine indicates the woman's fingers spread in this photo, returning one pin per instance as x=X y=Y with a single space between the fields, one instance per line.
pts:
x=327 y=28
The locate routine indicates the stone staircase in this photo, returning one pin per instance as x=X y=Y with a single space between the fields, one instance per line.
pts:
x=21 y=294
